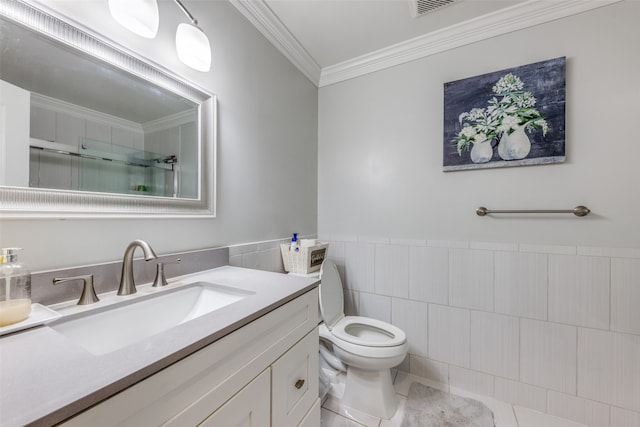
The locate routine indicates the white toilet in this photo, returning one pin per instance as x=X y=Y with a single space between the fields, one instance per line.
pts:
x=368 y=347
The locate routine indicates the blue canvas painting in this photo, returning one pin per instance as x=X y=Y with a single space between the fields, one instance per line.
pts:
x=512 y=117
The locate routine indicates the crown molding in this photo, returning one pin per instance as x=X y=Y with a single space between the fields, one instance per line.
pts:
x=520 y=16
x=514 y=18
x=263 y=18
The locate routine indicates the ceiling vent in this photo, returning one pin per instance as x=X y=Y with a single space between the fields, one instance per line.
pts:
x=422 y=7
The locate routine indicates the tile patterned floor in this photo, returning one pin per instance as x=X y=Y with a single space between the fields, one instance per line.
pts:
x=506 y=415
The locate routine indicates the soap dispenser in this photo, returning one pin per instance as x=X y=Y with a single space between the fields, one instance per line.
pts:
x=15 y=288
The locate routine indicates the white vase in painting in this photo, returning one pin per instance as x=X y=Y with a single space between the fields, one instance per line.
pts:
x=481 y=152
x=514 y=146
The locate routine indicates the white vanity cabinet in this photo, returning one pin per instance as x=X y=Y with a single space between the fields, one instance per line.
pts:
x=263 y=374
x=247 y=408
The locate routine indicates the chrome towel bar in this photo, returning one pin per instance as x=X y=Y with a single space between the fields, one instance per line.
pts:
x=577 y=211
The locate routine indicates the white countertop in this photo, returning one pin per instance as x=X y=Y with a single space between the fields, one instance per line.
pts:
x=46 y=378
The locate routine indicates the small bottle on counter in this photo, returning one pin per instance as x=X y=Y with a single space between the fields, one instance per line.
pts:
x=15 y=288
x=295 y=244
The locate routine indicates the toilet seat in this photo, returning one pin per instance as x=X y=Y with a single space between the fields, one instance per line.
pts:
x=366 y=351
x=369 y=332
x=357 y=330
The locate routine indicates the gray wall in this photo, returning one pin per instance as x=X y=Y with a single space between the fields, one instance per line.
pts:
x=267 y=145
x=380 y=143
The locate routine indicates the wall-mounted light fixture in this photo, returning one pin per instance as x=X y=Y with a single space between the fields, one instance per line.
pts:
x=138 y=16
x=192 y=43
x=142 y=18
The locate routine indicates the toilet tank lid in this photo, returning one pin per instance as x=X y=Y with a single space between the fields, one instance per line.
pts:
x=331 y=298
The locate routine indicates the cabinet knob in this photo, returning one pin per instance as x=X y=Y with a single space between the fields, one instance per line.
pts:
x=299 y=384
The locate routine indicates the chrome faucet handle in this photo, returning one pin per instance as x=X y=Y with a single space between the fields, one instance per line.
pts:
x=160 y=279
x=88 y=291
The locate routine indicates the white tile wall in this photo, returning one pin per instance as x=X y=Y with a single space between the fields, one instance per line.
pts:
x=624 y=418
x=494 y=246
x=335 y=252
x=579 y=290
x=43 y=123
x=375 y=306
x=625 y=295
x=448 y=244
x=99 y=131
x=408 y=242
x=69 y=129
x=471 y=279
x=495 y=341
x=609 y=252
x=548 y=355
x=449 y=334
x=548 y=249
x=351 y=303
x=521 y=394
x=473 y=381
x=428 y=368
x=609 y=367
x=359 y=266
x=429 y=274
x=521 y=284
x=411 y=317
x=595 y=364
x=528 y=418
x=585 y=411
x=392 y=270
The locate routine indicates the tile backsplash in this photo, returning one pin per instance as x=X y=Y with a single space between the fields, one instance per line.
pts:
x=552 y=328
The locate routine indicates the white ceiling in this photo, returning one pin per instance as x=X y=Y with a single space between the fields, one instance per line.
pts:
x=335 y=40
x=333 y=31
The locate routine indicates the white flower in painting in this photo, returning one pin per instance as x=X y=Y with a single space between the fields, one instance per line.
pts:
x=479 y=137
x=508 y=83
x=468 y=131
x=526 y=100
x=538 y=122
x=476 y=114
x=544 y=125
x=508 y=123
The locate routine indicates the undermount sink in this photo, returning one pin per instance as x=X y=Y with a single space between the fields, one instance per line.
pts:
x=118 y=327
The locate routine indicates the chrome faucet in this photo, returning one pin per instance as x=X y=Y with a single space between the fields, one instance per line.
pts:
x=127 y=284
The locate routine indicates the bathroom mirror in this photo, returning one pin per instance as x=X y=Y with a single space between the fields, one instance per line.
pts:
x=89 y=129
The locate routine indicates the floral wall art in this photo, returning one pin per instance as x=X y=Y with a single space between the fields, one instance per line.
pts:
x=512 y=117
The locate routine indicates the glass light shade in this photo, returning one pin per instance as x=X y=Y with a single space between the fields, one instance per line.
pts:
x=193 y=47
x=139 y=16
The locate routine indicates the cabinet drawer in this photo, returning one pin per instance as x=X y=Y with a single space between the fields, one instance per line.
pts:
x=312 y=419
x=294 y=385
x=248 y=407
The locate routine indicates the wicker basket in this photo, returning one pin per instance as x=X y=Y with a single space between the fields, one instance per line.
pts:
x=305 y=260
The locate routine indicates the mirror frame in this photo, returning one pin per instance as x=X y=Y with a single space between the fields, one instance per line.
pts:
x=23 y=203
